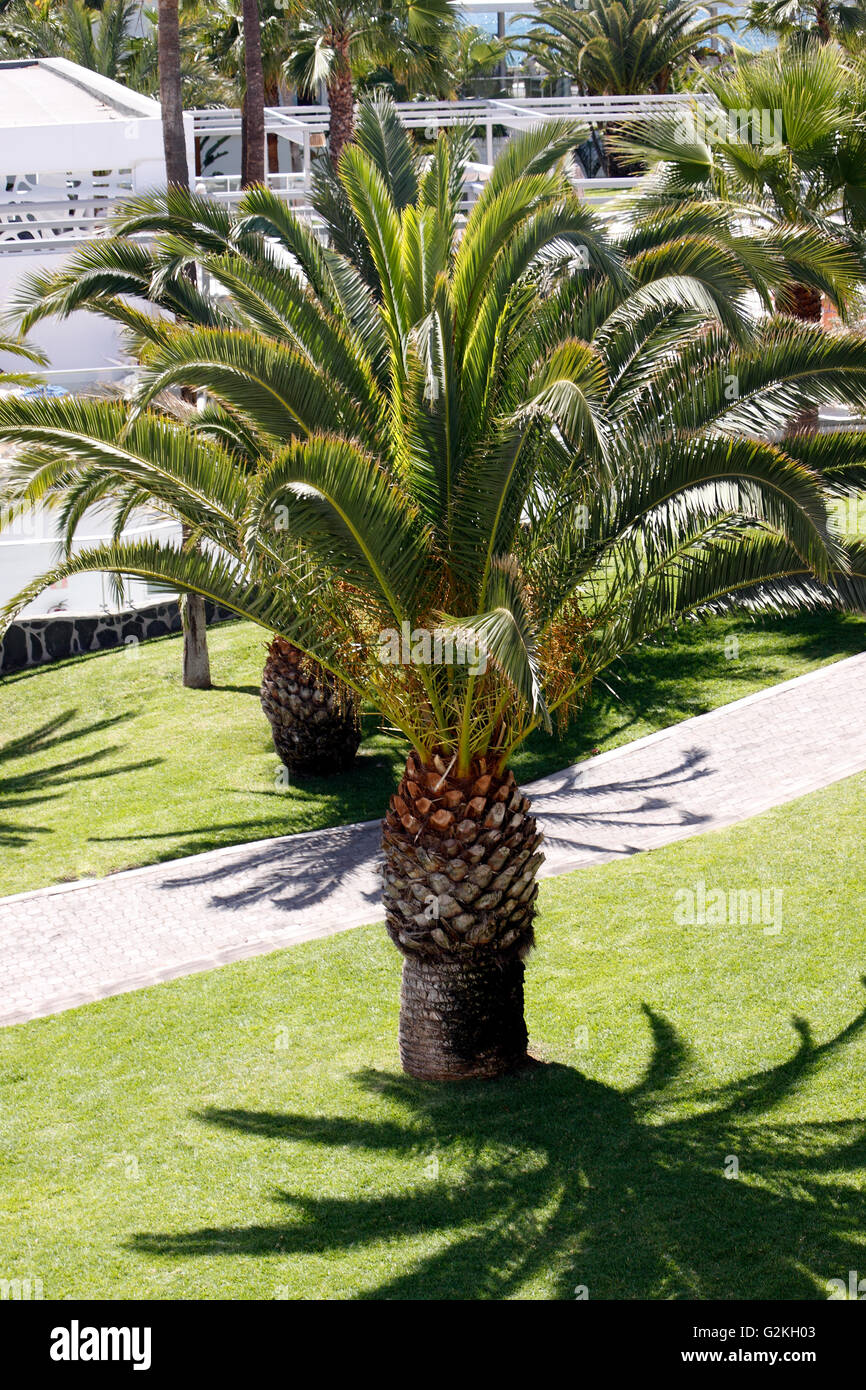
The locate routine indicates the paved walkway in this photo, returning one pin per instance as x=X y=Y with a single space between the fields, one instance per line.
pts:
x=64 y=946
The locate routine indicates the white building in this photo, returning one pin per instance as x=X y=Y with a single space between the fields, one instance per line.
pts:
x=72 y=144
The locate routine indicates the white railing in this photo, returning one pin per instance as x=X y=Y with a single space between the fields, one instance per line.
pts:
x=39 y=208
x=226 y=188
x=290 y=122
x=22 y=224
x=598 y=192
x=50 y=232
x=307 y=126
x=31 y=224
x=595 y=192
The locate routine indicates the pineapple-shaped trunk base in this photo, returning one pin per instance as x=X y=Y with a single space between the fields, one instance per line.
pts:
x=313 y=716
x=461 y=863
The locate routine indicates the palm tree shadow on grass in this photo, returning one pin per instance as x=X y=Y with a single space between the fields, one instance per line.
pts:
x=47 y=783
x=551 y=1176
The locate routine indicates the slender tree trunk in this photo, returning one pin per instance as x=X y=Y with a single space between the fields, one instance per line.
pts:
x=822 y=21
x=272 y=98
x=461 y=862
x=170 y=96
x=245 y=132
x=196 y=663
x=341 y=100
x=196 y=660
x=253 y=111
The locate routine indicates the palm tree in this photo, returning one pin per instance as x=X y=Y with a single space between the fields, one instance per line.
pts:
x=785 y=140
x=481 y=480
x=621 y=48
x=314 y=719
x=329 y=38
x=170 y=95
x=201 y=84
x=799 y=20
x=98 y=39
x=253 y=110
x=473 y=58
x=17 y=347
x=196 y=660
x=103 y=39
x=220 y=31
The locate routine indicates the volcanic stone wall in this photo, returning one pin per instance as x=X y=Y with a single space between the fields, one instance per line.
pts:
x=32 y=641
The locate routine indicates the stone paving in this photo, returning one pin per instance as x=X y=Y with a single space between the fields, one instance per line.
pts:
x=68 y=945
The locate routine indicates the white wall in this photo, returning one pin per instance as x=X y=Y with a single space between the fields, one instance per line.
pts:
x=31 y=548
x=83 y=340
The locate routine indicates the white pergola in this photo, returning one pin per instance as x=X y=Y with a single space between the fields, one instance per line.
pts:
x=74 y=144
x=302 y=128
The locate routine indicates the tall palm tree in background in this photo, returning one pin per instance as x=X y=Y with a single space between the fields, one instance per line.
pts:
x=473 y=59
x=329 y=39
x=253 y=110
x=196 y=660
x=220 y=34
x=170 y=95
x=476 y=483
x=622 y=47
x=799 y=20
x=95 y=38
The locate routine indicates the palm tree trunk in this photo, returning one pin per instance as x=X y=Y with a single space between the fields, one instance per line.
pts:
x=805 y=304
x=340 y=100
x=170 y=96
x=314 y=718
x=822 y=20
x=617 y=165
x=253 y=109
x=461 y=1019
x=196 y=660
x=272 y=98
x=461 y=863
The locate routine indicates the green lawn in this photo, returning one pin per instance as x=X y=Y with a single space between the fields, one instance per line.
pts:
x=107 y=763
x=246 y=1133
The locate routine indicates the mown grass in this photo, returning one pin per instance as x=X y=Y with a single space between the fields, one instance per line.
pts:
x=106 y=762
x=246 y=1133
